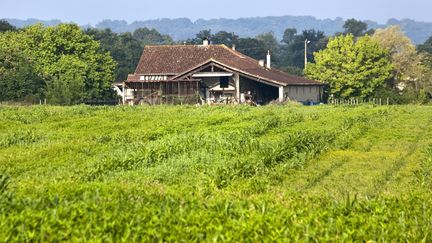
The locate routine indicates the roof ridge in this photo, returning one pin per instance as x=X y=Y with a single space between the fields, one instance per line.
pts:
x=240 y=54
x=248 y=58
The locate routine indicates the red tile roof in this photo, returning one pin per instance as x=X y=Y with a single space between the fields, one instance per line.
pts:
x=178 y=59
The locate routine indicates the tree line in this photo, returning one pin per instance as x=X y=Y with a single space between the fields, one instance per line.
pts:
x=184 y=28
x=68 y=65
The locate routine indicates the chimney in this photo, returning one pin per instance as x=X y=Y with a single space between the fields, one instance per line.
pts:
x=234 y=47
x=205 y=42
x=268 y=60
x=261 y=63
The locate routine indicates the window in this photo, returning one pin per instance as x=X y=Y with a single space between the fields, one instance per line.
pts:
x=224 y=82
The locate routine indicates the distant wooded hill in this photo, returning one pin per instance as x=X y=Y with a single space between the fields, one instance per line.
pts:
x=184 y=28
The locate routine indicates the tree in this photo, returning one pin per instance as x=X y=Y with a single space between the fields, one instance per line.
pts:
x=199 y=37
x=252 y=47
x=426 y=46
x=223 y=37
x=270 y=44
x=203 y=34
x=128 y=52
x=352 y=68
x=289 y=36
x=66 y=59
x=426 y=79
x=269 y=40
x=404 y=57
x=291 y=54
x=68 y=81
x=6 y=26
x=151 y=37
x=18 y=79
x=355 y=27
x=124 y=49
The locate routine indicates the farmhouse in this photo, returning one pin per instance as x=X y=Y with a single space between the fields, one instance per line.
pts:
x=209 y=74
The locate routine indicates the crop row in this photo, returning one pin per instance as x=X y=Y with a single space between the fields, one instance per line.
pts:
x=424 y=173
x=241 y=150
x=229 y=142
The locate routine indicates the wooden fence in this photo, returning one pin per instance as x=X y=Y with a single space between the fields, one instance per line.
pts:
x=355 y=101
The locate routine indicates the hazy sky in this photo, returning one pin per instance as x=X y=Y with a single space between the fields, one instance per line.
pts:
x=93 y=11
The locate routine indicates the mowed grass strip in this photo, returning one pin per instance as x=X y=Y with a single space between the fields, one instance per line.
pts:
x=382 y=161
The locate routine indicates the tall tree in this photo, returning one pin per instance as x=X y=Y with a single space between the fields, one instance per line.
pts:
x=269 y=40
x=352 y=68
x=270 y=44
x=426 y=46
x=355 y=27
x=403 y=54
x=6 y=26
x=289 y=36
x=425 y=52
x=226 y=38
x=292 y=52
x=151 y=37
x=65 y=58
x=426 y=79
x=199 y=37
x=252 y=47
x=124 y=48
x=18 y=79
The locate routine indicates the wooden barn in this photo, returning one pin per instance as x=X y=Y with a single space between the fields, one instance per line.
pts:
x=211 y=74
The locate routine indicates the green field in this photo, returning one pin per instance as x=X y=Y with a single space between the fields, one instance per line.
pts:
x=170 y=173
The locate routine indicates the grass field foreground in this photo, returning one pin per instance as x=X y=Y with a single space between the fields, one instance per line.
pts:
x=183 y=173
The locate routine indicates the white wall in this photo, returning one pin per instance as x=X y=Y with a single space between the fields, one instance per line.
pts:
x=303 y=93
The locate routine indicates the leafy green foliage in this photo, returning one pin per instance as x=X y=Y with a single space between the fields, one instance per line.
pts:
x=6 y=26
x=69 y=62
x=151 y=36
x=223 y=37
x=291 y=52
x=269 y=40
x=18 y=79
x=126 y=48
x=352 y=68
x=426 y=46
x=356 y=28
x=252 y=47
x=403 y=55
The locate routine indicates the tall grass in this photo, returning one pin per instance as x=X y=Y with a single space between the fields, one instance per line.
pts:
x=194 y=174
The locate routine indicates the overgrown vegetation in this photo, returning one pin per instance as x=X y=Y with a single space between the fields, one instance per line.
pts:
x=167 y=173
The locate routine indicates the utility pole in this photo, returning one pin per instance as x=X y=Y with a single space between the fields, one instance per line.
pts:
x=306 y=42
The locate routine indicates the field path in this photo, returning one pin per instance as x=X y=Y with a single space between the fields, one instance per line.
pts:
x=382 y=161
